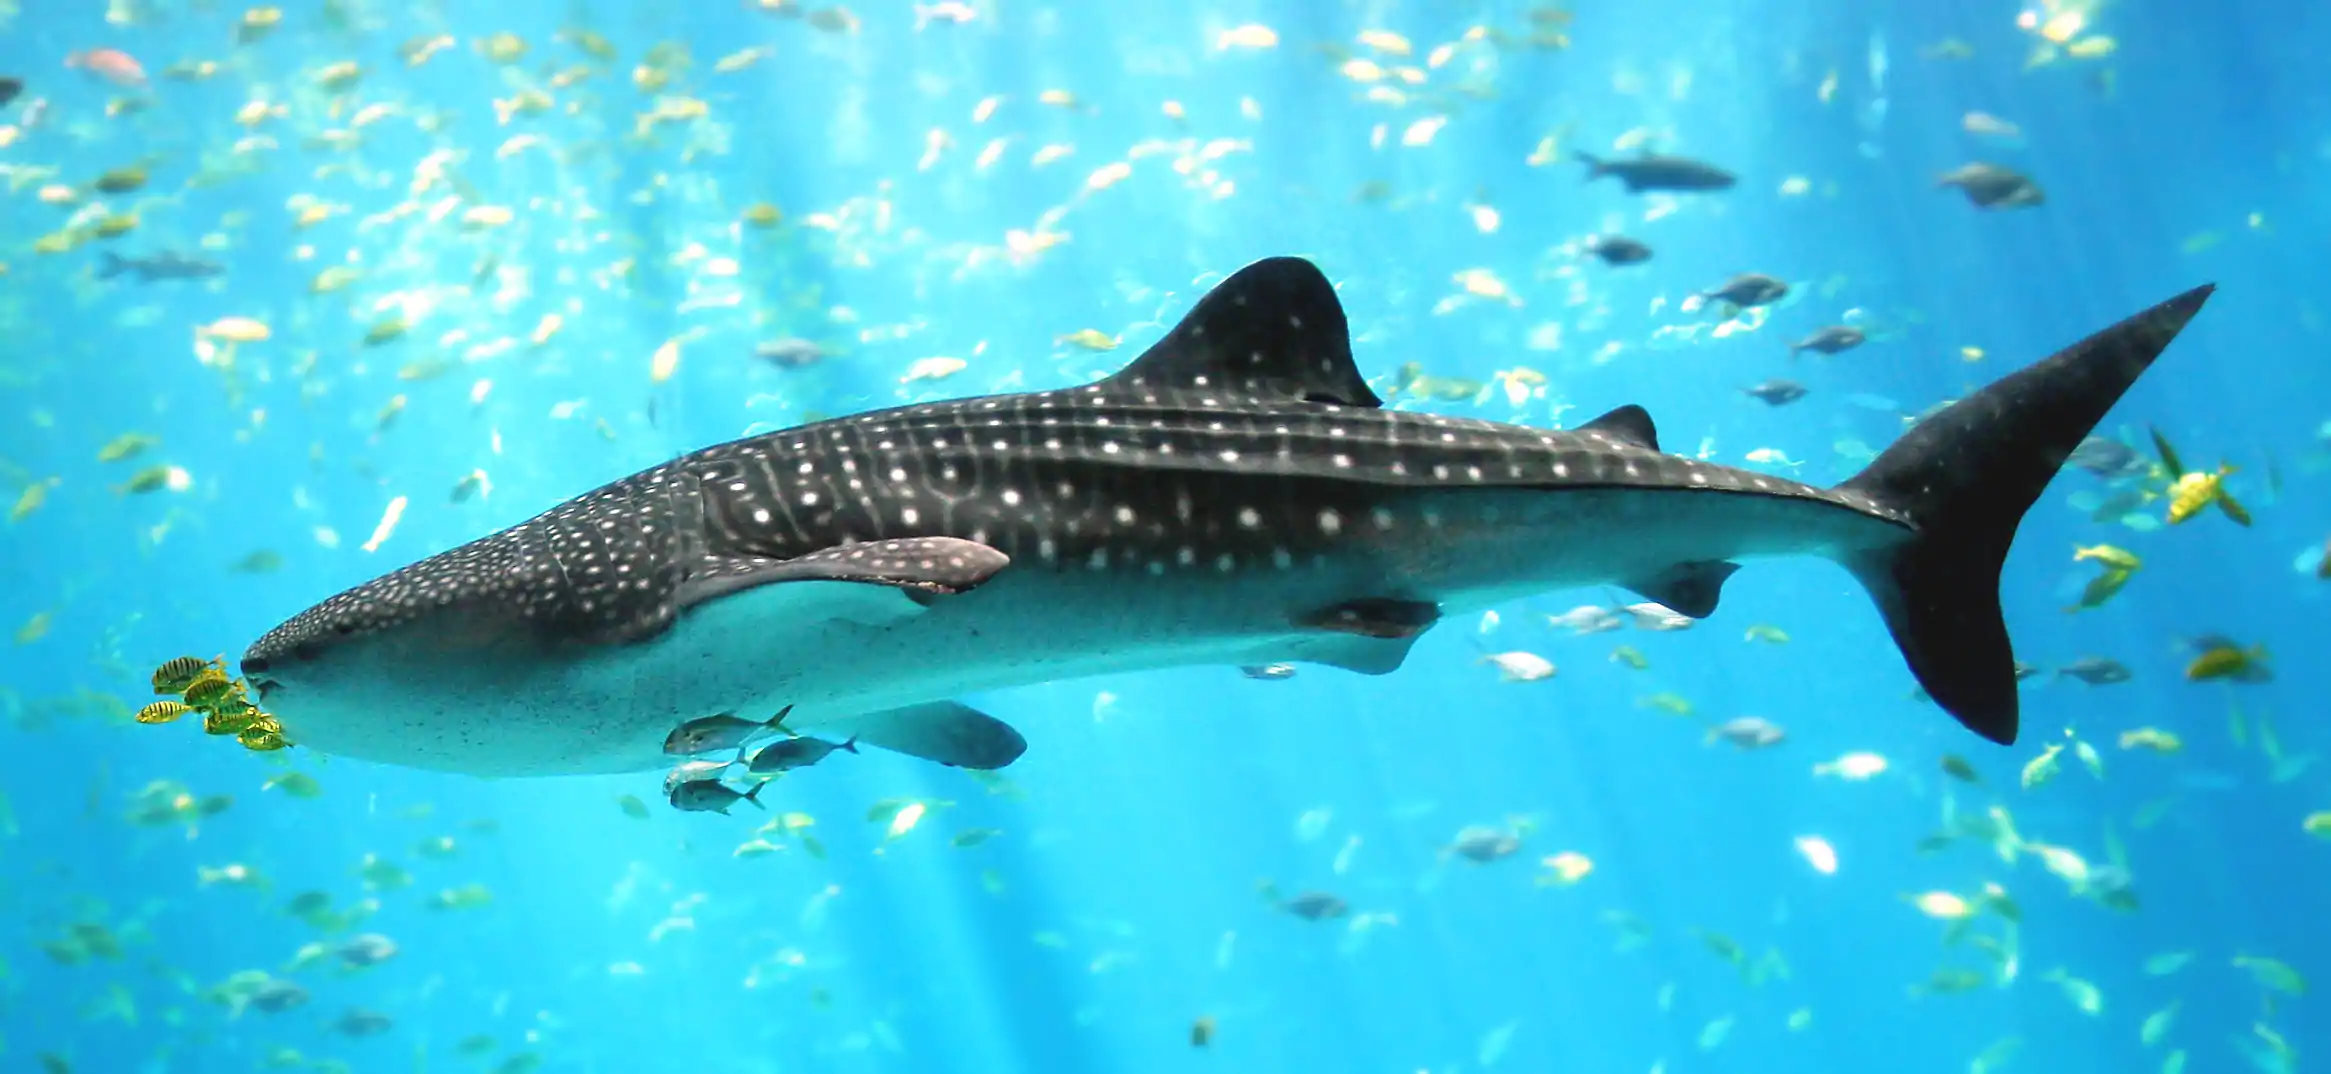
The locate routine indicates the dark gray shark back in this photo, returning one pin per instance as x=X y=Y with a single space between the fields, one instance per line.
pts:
x=1246 y=436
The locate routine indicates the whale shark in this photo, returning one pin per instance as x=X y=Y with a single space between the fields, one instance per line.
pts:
x=1236 y=495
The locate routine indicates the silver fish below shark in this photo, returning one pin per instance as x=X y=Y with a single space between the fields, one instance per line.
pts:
x=1237 y=496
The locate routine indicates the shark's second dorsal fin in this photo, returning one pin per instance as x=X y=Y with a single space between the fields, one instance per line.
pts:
x=1274 y=330
x=1630 y=424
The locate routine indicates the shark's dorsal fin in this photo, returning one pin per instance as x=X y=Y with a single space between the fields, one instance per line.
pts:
x=1629 y=423
x=1274 y=330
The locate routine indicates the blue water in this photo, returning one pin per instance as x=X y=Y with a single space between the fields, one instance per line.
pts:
x=1120 y=902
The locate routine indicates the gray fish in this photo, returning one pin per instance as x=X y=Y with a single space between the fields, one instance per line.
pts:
x=167 y=265
x=1777 y=392
x=2096 y=671
x=725 y=731
x=1748 y=290
x=1316 y=906
x=1238 y=495
x=358 y=1022
x=368 y=949
x=1268 y=672
x=9 y=89
x=1748 y=732
x=278 y=995
x=1990 y=186
x=1835 y=339
x=712 y=796
x=1618 y=250
x=789 y=353
x=1483 y=844
x=2108 y=458
x=1651 y=171
x=787 y=754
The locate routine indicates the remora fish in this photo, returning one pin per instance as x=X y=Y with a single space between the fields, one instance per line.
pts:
x=166 y=265
x=1237 y=495
x=1653 y=171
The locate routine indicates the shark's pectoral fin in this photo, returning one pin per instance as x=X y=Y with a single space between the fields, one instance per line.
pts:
x=1375 y=617
x=897 y=577
x=949 y=732
x=1689 y=588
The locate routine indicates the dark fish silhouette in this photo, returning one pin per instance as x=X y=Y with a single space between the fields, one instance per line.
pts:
x=789 y=353
x=2096 y=671
x=1991 y=186
x=1777 y=392
x=1652 y=171
x=1835 y=339
x=1749 y=289
x=1618 y=250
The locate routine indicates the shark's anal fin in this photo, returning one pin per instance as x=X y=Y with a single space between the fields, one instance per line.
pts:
x=949 y=732
x=916 y=567
x=1688 y=588
x=1375 y=617
x=1274 y=330
x=1630 y=424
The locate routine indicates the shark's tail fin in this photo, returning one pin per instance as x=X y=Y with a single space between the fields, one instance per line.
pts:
x=1965 y=477
x=111 y=266
x=1595 y=168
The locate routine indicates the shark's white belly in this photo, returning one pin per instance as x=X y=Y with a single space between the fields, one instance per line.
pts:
x=838 y=651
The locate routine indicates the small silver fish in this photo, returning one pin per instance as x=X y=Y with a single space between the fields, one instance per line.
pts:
x=1267 y=672
x=1749 y=732
x=726 y=731
x=690 y=771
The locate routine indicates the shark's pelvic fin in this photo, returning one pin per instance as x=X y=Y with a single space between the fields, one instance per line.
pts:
x=1965 y=477
x=949 y=732
x=914 y=566
x=1273 y=330
x=1688 y=588
x=1351 y=652
x=1631 y=424
x=1375 y=617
